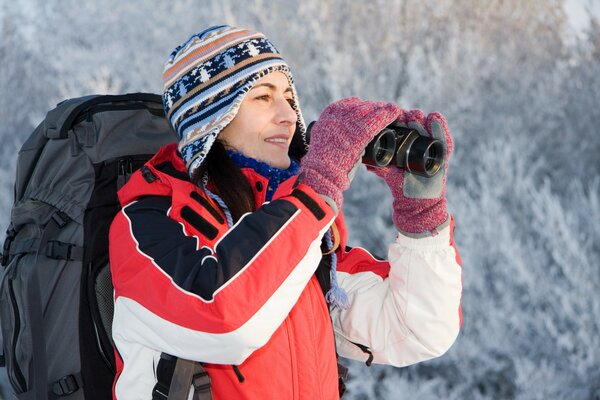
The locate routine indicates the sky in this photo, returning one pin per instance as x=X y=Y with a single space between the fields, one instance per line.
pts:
x=576 y=10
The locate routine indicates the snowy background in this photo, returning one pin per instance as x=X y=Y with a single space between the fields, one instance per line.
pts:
x=519 y=82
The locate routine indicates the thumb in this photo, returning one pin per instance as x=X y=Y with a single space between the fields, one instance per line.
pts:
x=437 y=126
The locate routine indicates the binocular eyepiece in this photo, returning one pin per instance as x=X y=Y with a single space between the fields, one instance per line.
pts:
x=403 y=148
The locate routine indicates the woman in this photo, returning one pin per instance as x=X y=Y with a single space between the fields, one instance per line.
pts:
x=232 y=252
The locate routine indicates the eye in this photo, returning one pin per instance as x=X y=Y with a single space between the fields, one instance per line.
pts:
x=264 y=97
x=291 y=102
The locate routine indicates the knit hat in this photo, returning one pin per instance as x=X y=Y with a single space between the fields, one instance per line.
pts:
x=206 y=80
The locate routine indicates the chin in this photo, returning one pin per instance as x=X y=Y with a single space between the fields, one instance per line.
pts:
x=281 y=163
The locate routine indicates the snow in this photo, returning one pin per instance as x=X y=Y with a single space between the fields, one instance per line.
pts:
x=519 y=83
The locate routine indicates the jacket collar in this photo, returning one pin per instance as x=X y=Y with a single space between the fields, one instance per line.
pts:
x=169 y=169
x=273 y=175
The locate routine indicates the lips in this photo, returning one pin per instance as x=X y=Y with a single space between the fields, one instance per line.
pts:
x=279 y=140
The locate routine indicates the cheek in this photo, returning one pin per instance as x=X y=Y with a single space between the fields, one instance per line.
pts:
x=236 y=135
x=246 y=133
x=247 y=142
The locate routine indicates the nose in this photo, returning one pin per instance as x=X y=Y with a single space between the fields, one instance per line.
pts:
x=286 y=115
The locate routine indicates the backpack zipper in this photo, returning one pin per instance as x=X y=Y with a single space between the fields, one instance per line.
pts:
x=127 y=166
x=18 y=374
x=101 y=349
x=96 y=318
x=124 y=171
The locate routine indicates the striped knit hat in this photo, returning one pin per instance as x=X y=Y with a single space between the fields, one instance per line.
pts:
x=206 y=79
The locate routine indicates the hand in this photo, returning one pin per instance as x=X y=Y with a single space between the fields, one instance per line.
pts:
x=338 y=140
x=419 y=202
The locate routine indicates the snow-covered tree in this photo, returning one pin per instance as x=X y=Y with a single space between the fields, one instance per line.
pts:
x=520 y=91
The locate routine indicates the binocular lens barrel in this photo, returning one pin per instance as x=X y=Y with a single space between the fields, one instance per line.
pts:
x=381 y=150
x=425 y=157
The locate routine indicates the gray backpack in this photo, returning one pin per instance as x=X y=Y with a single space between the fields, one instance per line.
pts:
x=56 y=295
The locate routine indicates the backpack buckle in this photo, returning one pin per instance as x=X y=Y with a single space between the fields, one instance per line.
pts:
x=10 y=236
x=60 y=218
x=201 y=382
x=58 y=250
x=65 y=386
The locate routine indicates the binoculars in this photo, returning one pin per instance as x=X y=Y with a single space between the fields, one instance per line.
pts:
x=404 y=148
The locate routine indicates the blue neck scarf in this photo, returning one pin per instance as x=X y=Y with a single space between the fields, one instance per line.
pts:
x=275 y=175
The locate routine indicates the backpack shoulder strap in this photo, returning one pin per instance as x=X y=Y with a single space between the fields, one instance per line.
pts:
x=190 y=373
x=175 y=376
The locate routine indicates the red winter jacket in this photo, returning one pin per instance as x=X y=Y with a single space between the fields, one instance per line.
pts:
x=188 y=285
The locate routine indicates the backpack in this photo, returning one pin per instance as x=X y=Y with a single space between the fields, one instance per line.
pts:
x=56 y=294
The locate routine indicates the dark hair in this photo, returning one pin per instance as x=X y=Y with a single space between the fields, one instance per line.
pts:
x=229 y=181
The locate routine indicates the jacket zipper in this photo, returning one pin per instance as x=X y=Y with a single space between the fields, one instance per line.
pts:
x=18 y=374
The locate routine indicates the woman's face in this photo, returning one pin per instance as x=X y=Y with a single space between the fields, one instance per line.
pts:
x=263 y=127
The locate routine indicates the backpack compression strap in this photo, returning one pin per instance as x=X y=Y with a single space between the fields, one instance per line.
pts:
x=40 y=370
x=174 y=376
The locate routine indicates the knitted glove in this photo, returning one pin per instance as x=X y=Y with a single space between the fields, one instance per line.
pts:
x=337 y=141
x=419 y=202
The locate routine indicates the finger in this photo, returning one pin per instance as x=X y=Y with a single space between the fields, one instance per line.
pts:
x=342 y=106
x=404 y=117
x=393 y=112
x=401 y=119
x=437 y=125
x=415 y=115
x=415 y=119
x=378 y=115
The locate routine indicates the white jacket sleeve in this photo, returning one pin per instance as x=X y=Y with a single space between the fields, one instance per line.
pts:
x=405 y=311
